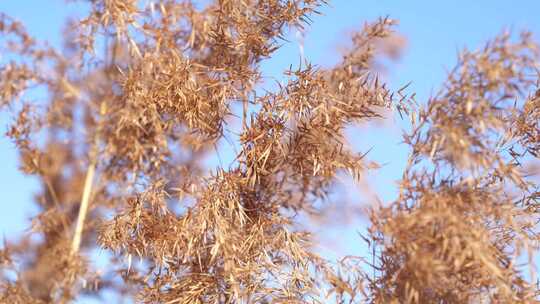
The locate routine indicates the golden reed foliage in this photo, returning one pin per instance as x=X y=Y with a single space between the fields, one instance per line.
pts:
x=118 y=142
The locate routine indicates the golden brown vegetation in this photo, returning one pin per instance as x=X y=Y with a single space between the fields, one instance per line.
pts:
x=118 y=143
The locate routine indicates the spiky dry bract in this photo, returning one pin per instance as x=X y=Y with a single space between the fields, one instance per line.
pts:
x=479 y=92
x=164 y=99
x=215 y=250
x=15 y=76
x=527 y=125
x=459 y=226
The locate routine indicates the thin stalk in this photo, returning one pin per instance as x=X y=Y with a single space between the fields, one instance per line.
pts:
x=87 y=190
x=52 y=192
x=83 y=210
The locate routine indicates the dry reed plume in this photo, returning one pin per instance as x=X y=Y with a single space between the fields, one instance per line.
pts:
x=141 y=94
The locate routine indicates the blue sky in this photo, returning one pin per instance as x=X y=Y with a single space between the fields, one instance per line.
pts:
x=435 y=31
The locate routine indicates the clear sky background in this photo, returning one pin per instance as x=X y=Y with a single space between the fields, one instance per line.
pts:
x=435 y=31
